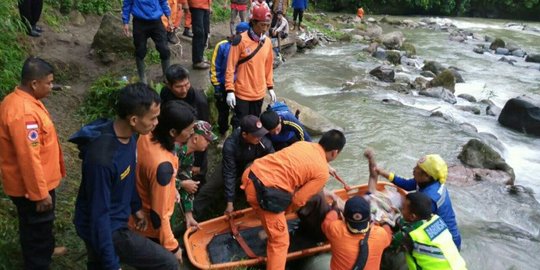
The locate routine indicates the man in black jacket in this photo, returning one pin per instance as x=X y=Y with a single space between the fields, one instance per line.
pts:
x=179 y=88
x=240 y=149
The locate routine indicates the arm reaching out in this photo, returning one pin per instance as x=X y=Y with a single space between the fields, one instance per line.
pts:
x=373 y=173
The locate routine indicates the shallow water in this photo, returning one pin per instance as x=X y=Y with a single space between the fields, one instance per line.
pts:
x=500 y=231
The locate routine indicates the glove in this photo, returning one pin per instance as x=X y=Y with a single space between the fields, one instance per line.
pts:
x=231 y=100
x=272 y=95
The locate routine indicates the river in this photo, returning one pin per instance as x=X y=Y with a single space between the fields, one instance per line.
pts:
x=499 y=230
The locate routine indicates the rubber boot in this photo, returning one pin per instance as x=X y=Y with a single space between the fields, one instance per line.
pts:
x=141 y=69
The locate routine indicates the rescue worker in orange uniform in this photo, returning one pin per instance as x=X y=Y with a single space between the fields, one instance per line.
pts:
x=31 y=161
x=183 y=12
x=345 y=235
x=250 y=67
x=360 y=13
x=157 y=165
x=178 y=9
x=283 y=182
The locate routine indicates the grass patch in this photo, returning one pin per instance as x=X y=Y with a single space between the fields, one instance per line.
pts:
x=220 y=11
x=101 y=98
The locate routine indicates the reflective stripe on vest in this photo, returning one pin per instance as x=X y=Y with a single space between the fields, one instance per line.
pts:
x=433 y=247
x=443 y=194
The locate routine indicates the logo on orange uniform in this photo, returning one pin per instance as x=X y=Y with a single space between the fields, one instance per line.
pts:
x=32 y=132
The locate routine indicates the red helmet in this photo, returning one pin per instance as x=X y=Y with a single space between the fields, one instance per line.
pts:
x=261 y=13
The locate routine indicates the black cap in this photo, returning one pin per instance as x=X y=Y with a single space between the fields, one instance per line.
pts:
x=252 y=125
x=357 y=214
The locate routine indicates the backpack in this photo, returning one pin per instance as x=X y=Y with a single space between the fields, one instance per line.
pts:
x=281 y=108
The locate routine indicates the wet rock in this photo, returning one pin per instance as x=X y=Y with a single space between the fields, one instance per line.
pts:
x=489 y=39
x=401 y=88
x=315 y=123
x=345 y=37
x=507 y=60
x=420 y=83
x=511 y=46
x=374 y=31
x=441 y=93
x=503 y=51
x=393 y=56
x=387 y=20
x=467 y=97
x=388 y=101
x=379 y=53
x=471 y=109
x=497 y=43
x=357 y=38
x=372 y=47
x=519 y=53
x=371 y=20
x=410 y=62
x=434 y=67
x=441 y=115
x=457 y=37
x=409 y=49
x=383 y=73
x=110 y=37
x=521 y=114
x=427 y=73
x=401 y=77
x=76 y=18
x=479 y=50
x=410 y=23
x=477 y=36
x=493 y=110
x=393 y=40
x=463 y=176
x=457 y=75
x=477 y=154
x=468 y=127
x=535 y=58
x=445 y=79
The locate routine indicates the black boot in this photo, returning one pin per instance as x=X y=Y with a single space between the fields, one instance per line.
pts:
x=141 y=69
x=164 y=65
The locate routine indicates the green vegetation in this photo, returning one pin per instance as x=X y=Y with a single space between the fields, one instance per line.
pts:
x=101 y=98
x=220 y=11
x=98 y=7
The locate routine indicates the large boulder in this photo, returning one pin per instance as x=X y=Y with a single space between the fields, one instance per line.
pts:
x=315 y=123
x=469 y=98
x=420 y=83
x=374 y=31
x=519 y=53
x=462 y=176
x=445 y=79
x=393 y=56
x=110 y=37
x=497 y=43
x=434 y=67
x=383 y=73
x=409 y=49
x=439 y=92
x=477 y=154
x=393 y=40
x=521 y=114
x=535 y=58
x=502 y=51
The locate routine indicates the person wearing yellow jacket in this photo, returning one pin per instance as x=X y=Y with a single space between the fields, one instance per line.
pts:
x=31 y=161
x=426 y=238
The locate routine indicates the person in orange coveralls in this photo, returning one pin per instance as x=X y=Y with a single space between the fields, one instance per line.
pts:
x=157 y=165
x=31 y=161
x=283 y=182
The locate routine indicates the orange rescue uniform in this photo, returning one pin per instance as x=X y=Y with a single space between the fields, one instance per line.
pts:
x=201 y=4
x=345 y=245
x=301 y=169
x=31 y=159
x=177 y=13
x=156 y=170
x=253 y=77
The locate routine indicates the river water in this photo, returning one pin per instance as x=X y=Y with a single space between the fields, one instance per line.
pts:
x=499 y=230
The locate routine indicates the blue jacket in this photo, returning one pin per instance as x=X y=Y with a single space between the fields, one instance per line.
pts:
x=440 y=203
x=145 y=9
x=107 y=194
x=291 y=130
x=219 y=63
x=301 y=4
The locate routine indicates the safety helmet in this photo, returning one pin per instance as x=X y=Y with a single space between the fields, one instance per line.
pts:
x=261 y=13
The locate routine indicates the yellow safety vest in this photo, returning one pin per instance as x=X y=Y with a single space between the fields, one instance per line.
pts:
x=433 y=248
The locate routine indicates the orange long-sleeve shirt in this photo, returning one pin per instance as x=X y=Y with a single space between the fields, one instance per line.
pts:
x=300 y=168
x=202 y=4
x=345 y=245
x=31 y=159
x=156 y=170
x=253 y=77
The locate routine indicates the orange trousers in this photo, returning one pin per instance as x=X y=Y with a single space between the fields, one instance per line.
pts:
x=177 y=13
x=275 y=226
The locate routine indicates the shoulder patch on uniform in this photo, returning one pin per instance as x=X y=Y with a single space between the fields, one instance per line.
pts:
x=434 y=229
x=155 y=219
x=236 y=40
x=165 y=173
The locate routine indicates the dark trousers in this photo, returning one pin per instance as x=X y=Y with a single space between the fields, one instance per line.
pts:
x=136 y=251
x=35 y=232
x=30 y=11
x=142 y=30
x=223 y=113
x=298 y=13
x=243 y=108
x=200 y=24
